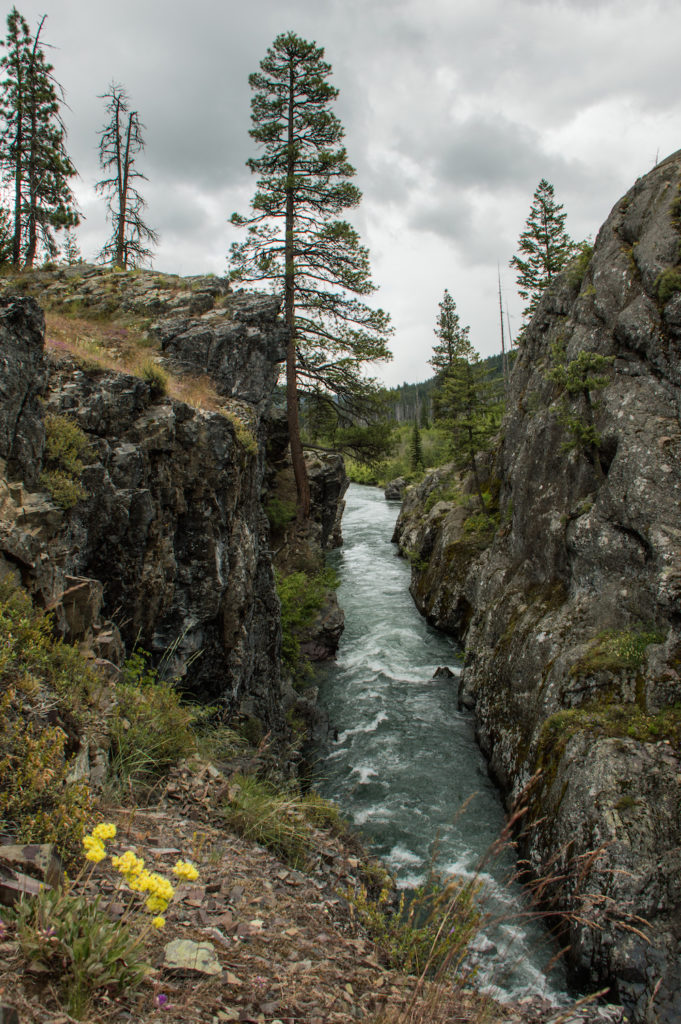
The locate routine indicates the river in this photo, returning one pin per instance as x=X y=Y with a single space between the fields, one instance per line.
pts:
x=401 y=760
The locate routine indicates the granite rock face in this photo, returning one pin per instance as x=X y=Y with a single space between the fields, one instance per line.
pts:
x=570 y=610
x=172 y=530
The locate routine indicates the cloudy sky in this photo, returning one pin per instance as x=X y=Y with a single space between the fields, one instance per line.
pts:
x=453 y=110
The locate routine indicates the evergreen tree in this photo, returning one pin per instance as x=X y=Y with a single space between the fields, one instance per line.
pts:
x=71 y=250
x=35 y=165
x=415 y=448
x=295 y=241
x=545 y=247
x=121 y=141
x=451 y=333
x=468 y=404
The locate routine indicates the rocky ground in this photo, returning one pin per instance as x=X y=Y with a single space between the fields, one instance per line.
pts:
x=281 y=945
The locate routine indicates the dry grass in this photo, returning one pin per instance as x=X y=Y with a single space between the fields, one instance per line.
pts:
x=101 y=345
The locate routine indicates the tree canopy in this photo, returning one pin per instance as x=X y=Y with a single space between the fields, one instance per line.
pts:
x=296 y=241
x=451 y=334
x=544 y=247
x=35 y=165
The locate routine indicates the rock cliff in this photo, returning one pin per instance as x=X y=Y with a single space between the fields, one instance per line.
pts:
x=566 y=592
x=170 y=539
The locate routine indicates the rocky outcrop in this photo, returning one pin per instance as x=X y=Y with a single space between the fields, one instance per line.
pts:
x=570 y=608
x=172 y=526
x=394 y=489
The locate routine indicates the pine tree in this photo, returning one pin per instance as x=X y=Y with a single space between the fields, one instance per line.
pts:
x=33 y=154
x=71 y=251
x=468 y=405
x=415 y=448
x=545 y=246
x=295 y=241
x=451 y=333
x=121 y=141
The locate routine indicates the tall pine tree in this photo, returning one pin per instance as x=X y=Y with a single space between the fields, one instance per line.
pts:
x=451 y=334
x=35 y=164
x=296 y=241
x=544 y=247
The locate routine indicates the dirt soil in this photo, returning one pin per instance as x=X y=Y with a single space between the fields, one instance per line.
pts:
x=288 y=944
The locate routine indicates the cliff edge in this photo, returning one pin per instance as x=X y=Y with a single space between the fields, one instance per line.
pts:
x=567 y=595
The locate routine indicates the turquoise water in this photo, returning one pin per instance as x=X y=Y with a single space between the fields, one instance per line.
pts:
x=401 y=760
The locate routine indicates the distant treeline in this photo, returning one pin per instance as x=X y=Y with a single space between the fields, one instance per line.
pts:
x=410 y=403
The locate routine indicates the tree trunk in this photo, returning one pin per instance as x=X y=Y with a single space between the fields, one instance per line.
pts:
x=297 y=458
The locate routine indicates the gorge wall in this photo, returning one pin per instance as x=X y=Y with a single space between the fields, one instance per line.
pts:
x=170 y=543
x=566 y=592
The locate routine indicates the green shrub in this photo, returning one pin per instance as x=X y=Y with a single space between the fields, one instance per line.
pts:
x=37 y=672
x=615 y=650
x=427 y=933
x=280 y=819
x=151 y=729
x=156 y=378
x=65 y=444
x=578 y=267
x=74 y=942
x=301 y=596
x=667 y=284
x=279 y=512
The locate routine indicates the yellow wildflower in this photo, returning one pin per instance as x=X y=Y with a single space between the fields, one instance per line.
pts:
x=159 y=922
x=105 y=831
x=94 y=849
x=183 y=869
x=155 y=904
x=128 y=864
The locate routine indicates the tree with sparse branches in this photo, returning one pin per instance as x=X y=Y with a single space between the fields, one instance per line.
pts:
x=545 y=247
x=35 y=164
x=451 y=334
x=296 y=242
x=121 y=140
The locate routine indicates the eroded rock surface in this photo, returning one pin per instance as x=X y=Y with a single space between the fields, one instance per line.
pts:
x=571 y=610
x=171 y=539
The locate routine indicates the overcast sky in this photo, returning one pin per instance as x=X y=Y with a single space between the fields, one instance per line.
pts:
x=453 y=110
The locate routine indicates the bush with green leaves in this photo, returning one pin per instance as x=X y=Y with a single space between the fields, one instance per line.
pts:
x=73 y=940
x=426 y=933
x=40 y=676
x=151 y=729
x=65 y=446
x=301 y=595
x=281 y=819
x=156 y=378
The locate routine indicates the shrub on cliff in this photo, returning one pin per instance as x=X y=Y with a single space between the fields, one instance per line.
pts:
x=65 y=444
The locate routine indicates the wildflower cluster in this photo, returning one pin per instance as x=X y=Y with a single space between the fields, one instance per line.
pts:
x=158 y=889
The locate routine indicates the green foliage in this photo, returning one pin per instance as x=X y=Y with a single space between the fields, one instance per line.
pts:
x=426 y=933
x=38 y=672
x=470 y=405
x=668 y=283
x=65 y=445
x=301 y=596
x=608 y=720
x=156 y=378
x=295 y=240
x=617 y=650
x=33 y=153
x=452 y=336
x=415 y=449
x=279 y=512
x=244 y=435
x=74 y=942
x=151 y=729
x=578 y=267
x=279 y=818
x=578 y=379
x=545 y=247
